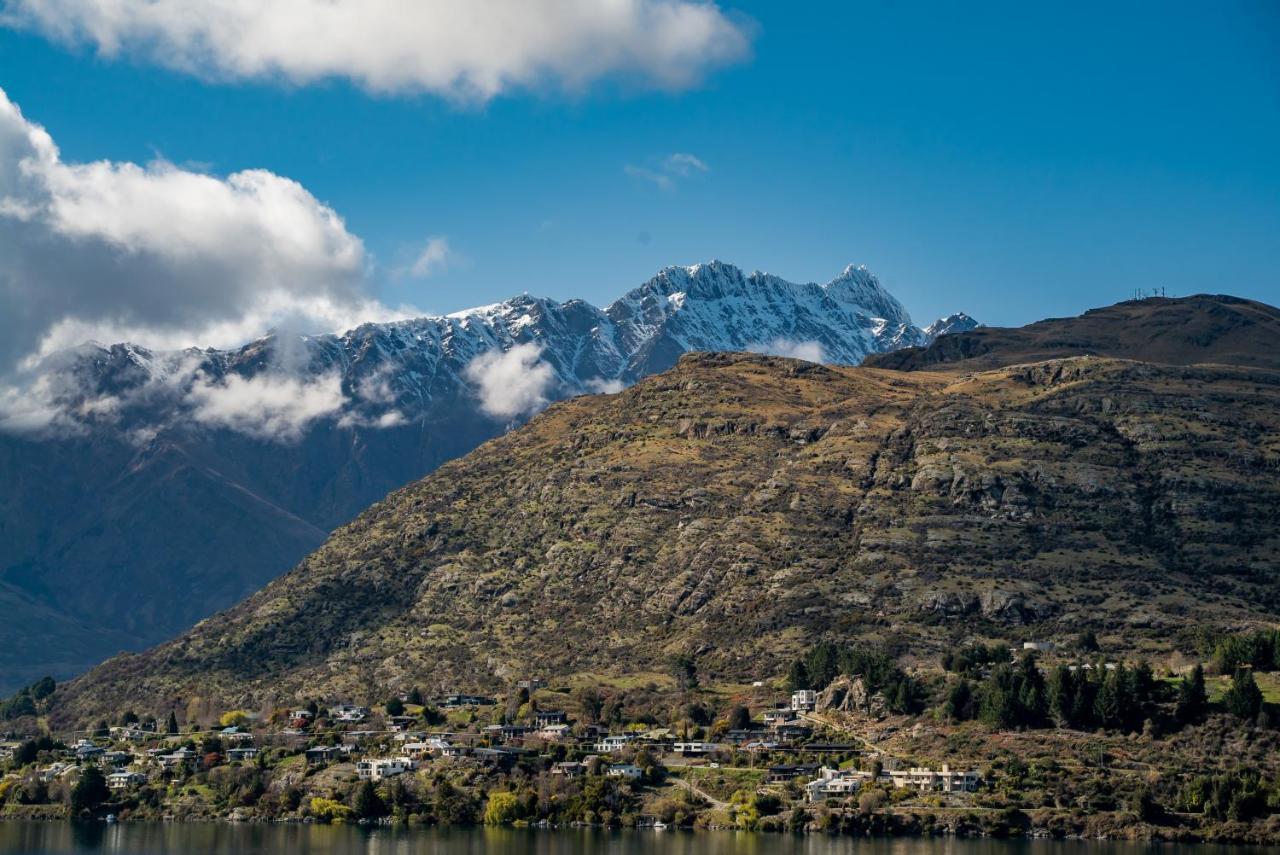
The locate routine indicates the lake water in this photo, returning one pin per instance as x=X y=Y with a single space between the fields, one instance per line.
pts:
x=211 y=838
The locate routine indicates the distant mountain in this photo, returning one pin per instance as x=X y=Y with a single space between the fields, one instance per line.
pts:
x=1174 y=331
x=167 y=486
x=737 y=508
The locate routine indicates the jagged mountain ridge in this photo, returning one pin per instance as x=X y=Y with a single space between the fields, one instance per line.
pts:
x=737 y=507
x=151 y=507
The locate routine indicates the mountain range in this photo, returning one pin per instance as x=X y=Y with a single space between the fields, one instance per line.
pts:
x=155 y=488
x=736 y=508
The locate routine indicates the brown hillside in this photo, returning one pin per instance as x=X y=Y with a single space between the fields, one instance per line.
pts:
x=737 y=507
x=1203 y=329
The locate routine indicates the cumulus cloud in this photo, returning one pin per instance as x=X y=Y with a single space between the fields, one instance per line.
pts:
x=433 y=258
x=668 y=171
x=115 y=251
x=462 y=49
x=810 y=351
x=513 y=382
x=276 y=407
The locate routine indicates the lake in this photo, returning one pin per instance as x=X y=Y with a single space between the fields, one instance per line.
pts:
x=208 y=839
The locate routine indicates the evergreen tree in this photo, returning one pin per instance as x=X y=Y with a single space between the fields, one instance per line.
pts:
x=959 y=703
x=395 y=706
x=367 y=804
x=90 y=791
x=1193 y=699
x=1107 y=710
x=1244 y=698
x=172 y=726
x=798 y=676
x=1062 y=691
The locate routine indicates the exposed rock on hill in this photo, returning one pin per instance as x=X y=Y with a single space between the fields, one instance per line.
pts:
x=738 y=507
x=170 y=485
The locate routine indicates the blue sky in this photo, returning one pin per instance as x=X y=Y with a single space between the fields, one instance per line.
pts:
x=1014 y=161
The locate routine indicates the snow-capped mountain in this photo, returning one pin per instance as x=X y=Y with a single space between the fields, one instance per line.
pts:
x=388 y=374
x=166 y=485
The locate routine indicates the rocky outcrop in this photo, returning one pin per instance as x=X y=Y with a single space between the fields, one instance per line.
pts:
x=609 y=534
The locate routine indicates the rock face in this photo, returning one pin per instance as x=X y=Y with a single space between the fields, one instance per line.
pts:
x=1193 y=330
x=740 y=507
x=849 y=695
x=168 y=487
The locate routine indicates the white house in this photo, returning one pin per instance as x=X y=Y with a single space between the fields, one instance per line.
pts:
x=124 y=780
x=349 y=712
x=614 y=742
x=834 y=783
x=692 y=749
x=926 y=780
x=243 y=753
x=804 y=699
x=378 y=768
x=629 y=771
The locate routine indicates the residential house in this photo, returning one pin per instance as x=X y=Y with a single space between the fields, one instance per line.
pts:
x=792 y=731
x=124 y=780
x=349 y=713
x=543 y=718
x=927 y=780
x=182 y=757
x=614 y=743
x=457 y=700
x=779 y=715
x=693 y=749
x=803 y=699
x=554 y=732
x=85 y=750
x=836 y=783
x=54 y=771
x=628 y=771
x=242 y=753
x=569 y=769
x=322 y=754
x=532 y=685
x=116 y=758
x=782 y=774
x=379 y=768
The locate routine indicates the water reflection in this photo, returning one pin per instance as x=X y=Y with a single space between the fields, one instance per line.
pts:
x=220 y=838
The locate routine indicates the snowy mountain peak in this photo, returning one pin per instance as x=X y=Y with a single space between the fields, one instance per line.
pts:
x=954 y=323
x=509 y=358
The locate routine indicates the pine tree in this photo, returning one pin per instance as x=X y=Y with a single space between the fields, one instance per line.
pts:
x=1244 y=698
x=1062 y=696
x=1106 y=706
x=172 y=726
x=1193 y=699
x=798 y=676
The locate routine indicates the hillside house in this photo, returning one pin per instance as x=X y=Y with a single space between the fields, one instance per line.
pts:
x=349 y=713
x=555 y=732
x=626 y=771
x=322 y=754
x=380 y=768
x=804 y=700
x=242 y=754
x=927 y=780
x=543 y=718
x=693 y=749
x=124 y=780
x=569 y=769
x=614 y=743
x=836 y=783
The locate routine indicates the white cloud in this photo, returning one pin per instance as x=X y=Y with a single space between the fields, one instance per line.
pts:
x=810 y=351
x=601 y=386
x=513 y=382
x=434 y=257
x=462 y=49
x=668 y=171
x=683 y=164
x=268 y=406
x=159 y=255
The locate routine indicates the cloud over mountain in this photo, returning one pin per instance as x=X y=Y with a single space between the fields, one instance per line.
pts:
x=462 y=49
